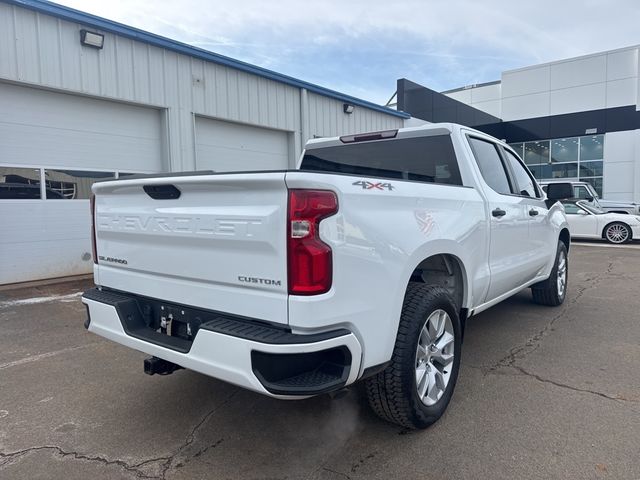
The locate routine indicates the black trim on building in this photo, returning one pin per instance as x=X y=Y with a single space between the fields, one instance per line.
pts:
x=605 y=120
x=429 y=105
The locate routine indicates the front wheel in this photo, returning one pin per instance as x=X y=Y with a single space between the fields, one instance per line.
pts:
x=553 y=290
x=617 y=233
x=416 y=387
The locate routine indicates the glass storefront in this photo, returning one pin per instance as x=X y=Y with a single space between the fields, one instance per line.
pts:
x=573 y=158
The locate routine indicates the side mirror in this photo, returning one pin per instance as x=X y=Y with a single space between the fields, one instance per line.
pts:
x=559 y=191
x=589 y=198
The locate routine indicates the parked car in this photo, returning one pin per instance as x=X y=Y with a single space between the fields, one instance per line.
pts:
x=363 y=264
x=585 y=191
x=588 y=221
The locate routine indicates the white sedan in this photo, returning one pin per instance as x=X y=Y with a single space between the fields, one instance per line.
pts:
x=587 y=221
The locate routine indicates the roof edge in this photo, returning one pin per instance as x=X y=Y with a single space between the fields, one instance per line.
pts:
x=100 y=23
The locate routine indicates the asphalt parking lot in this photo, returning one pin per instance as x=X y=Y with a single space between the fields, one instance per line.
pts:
x=543 y=393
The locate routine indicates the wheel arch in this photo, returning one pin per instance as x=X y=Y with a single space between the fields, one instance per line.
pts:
x=445 y=270
x=565 y=237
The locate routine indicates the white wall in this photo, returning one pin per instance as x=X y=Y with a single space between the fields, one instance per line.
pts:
x=622 y=166
x=602 y=80
x=57 y=239
x=487 y=98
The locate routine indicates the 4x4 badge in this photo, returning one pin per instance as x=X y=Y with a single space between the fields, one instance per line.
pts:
x=373 y=186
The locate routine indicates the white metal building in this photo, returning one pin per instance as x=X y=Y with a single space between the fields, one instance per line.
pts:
x=574 y=118
x=73 y=112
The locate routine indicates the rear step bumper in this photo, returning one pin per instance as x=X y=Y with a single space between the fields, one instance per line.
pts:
x=261 y=357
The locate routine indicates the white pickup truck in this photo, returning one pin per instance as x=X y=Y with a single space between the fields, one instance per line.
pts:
x=363 y=264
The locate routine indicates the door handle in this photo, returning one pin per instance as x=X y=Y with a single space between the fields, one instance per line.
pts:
x=533 y=212
x=498 y=212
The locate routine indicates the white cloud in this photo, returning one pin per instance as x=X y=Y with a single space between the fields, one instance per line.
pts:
x=442 y=44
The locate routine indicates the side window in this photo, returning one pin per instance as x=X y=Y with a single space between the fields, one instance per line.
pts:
x=490 y=165
x=581 y=192
x=525 y=182
x=570 y=208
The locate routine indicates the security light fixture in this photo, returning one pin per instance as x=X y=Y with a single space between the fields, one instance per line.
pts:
x=91 y=39
x=347 y=108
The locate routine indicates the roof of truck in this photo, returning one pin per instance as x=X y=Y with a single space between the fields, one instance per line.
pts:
x=407 y=132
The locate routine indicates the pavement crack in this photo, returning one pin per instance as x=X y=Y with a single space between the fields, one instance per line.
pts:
x=9 y=456
x=570 y=387
x=533 y=343
x=523 y=372
x=190 y=438
x=343 y=475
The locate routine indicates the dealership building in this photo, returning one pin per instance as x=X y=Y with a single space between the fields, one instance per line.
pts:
x=83 y=98
x=575 y=119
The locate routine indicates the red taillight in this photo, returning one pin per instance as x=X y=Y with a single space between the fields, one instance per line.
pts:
x=94 y=252
x=309 y=258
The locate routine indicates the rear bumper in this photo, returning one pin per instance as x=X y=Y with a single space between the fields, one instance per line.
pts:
x=262 y=358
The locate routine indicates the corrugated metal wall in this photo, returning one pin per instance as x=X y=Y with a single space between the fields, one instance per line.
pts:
x=45 y=51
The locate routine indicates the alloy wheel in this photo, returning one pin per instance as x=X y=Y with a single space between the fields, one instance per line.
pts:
x=617 y=233
x=562 y=274
x=434 y=357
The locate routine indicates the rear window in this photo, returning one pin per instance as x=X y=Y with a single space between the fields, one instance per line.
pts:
x=422 y=159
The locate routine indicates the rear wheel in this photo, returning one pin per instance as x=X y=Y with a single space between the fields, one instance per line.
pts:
x=553 y=290
x=617 y=233
x=416 y=387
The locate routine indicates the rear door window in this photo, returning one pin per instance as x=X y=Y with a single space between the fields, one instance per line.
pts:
x=490 y=165
x=422 y=159
x=526 y=185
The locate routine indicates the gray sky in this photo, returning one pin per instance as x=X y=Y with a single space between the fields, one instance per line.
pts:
x=363 y=47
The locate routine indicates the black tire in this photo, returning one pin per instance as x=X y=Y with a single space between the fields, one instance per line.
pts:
x=393 y=393
x=548 y=292
x=620 y=227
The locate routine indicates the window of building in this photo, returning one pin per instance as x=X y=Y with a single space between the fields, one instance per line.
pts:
x=72 y=184
x=518 y=148
x=490 y=165
x=19 y=183
x=592 y=147
x=573 y=158
x=536 y=152
x=24 y=183
x=564 y=150
x=564 y=170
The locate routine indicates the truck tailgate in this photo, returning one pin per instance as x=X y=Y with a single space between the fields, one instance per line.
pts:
x=220 y=245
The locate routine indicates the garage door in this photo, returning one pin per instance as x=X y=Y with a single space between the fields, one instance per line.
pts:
x=53 y=146
x=226 y=147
